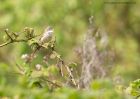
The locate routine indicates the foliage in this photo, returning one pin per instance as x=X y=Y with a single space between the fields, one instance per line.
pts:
x=30 y=68
x=134 y=88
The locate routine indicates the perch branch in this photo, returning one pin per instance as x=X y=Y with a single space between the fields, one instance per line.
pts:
x=14 y=41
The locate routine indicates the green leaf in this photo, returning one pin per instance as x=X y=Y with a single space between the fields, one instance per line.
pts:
x=73 y=65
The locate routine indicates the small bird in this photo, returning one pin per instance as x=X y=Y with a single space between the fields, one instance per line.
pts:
x=47 y=35
x=45 y=38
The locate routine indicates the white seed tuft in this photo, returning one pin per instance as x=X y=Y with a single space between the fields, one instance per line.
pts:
x=25 y=56
x=38 y=67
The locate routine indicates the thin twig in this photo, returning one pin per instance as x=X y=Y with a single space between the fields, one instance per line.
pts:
x=8 y=35
x=4 y=44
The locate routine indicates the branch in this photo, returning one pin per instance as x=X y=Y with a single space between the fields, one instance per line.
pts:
x=14 y=41
x=4 y=44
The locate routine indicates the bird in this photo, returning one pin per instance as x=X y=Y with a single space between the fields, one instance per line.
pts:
x=47 y=35
x=45 y=38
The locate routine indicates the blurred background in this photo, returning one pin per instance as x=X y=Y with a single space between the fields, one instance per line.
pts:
x=69 y=18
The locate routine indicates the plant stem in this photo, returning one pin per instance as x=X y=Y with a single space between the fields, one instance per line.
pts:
x=14 y=41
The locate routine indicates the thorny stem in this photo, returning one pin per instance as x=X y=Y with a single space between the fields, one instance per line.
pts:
x=4 y=44
x=70 y=73
x=14 y=41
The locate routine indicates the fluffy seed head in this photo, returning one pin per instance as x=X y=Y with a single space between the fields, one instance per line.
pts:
x=25 y=56
x=38 y=67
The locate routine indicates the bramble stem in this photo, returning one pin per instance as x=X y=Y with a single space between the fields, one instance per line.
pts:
x=14 y=41
x=70 y=73
x=4 y=44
